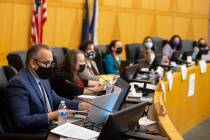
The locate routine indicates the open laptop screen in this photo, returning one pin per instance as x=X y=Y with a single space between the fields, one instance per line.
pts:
x=123 y=94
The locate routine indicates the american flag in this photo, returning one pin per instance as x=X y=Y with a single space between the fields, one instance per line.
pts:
x=39 y=17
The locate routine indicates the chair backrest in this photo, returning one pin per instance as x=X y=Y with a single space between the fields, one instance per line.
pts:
x=158 y=42
x=6 y=73
x=3 y=82
x=187 y=45
x=132 y=51
x=101 y=51
x=17 y=59
x=59 y=53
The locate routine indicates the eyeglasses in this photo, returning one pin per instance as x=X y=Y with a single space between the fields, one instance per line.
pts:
x=46 y=63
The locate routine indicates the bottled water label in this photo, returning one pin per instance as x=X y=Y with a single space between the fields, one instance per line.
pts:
x=63 y=114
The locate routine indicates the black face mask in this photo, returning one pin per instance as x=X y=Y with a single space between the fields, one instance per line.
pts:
x=201 y=45
x=90 y=54
x=45 y=73
x=119 y=50
x=82 y=67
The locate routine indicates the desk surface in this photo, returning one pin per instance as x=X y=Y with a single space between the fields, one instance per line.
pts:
x=153 y=129
x=183 y=112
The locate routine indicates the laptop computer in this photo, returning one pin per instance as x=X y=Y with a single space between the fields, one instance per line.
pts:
x=142 y=63
x=186 y=54
x=176 y=56
x=123 y=65
x=109 y=103
x=200 y=53
x=156 y=62
x=129 y=72
x=103 y=106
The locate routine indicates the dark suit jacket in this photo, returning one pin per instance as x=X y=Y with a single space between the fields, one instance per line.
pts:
x=26 y=103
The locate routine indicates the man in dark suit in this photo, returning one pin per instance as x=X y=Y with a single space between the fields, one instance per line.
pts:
x=32 y=103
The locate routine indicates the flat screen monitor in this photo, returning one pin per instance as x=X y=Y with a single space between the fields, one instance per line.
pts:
x=121 y=122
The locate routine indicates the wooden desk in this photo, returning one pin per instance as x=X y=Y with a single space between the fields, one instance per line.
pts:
x=183 y=112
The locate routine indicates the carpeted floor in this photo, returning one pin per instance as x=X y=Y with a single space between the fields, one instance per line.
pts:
x=200 y=132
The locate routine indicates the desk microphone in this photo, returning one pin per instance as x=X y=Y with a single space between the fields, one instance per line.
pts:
x=69 y=82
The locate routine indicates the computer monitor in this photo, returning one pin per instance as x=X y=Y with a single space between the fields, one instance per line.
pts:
x=122 y=66
x=121 y=122
x=176 y=56
x=129 y=72
x=125 y=87
x=156 y=62
x=186 y=54
x=200 y=53
x=142 y=63
x=109 y=103
x=101 y=107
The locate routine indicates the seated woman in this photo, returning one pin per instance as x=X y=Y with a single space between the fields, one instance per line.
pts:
x=112 y=60
x=147 y=52
x=67 y=82
x=91 y=70
x=173 y=45
x=200 y=45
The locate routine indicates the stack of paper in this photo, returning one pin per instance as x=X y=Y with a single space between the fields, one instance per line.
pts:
x=87 y=97
x=76 y=132
x=145 y=122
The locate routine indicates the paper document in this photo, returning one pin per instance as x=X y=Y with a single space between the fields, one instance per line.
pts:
x=160 y=71
x=191 y=88
x=75 y=132
x=163 y=89
x=89 y=97
x=150 y=86
x=145 y=122
x=147 y=99
x=184 y=71
x=170 y=78
x=134 y=95
x=145 y=69
x=203 y=66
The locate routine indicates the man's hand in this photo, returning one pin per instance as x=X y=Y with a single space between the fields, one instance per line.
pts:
x=52 y=115
x=117 y=89
x=84 y=106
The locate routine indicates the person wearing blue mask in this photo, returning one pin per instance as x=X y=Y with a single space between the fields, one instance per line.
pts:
x=148 y=51
x=91 y=71
x=112 y=60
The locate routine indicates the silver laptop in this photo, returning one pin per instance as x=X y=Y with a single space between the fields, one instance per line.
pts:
x=104 y=106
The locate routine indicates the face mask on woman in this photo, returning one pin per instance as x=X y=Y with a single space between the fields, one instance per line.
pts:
x=176 y=43
x=202 y=45
x=119 y=50
x=148 y=45
x=90 y=54
x=82 y=67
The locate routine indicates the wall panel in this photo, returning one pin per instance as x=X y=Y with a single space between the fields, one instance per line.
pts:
x=127 y=20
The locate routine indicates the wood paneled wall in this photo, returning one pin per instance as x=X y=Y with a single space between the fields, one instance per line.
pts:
x=127 y=20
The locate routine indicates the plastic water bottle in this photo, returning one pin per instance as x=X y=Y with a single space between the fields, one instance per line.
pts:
x=62 y=113
x=152 y=77
x=109 y=88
